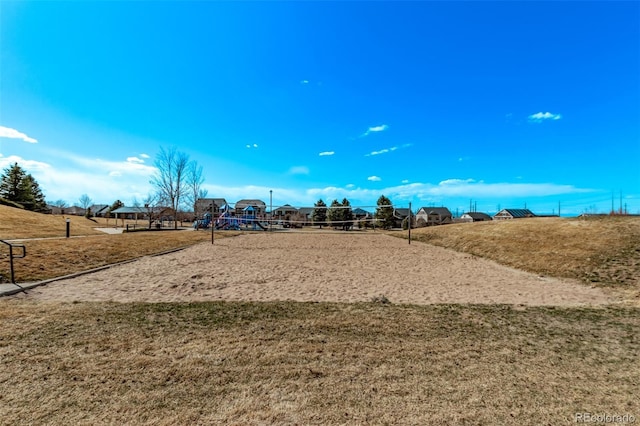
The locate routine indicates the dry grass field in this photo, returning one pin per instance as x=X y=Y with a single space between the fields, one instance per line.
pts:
x=600 y=250
x=314 y=363
x=329 y=363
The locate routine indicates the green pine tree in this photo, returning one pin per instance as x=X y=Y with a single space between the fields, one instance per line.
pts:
x=18 y=186
x=319 y=215
x=335 y=213
x=347 y=215
x=384 y=212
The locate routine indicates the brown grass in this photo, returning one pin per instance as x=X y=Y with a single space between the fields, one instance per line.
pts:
x=307 y=363
x=53 y=258
x=604 y=251
x=17 y=223
x=55 y=255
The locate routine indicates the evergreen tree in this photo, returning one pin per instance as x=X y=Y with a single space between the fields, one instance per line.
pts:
x=384 y=212
x=335 y=214
x=116 y=205
x=34 y=198
x=347 y=215
x=20 y=187
x=11 y=186
x=319 y=215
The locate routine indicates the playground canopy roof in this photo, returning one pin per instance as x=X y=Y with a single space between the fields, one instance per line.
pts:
x=137 y=210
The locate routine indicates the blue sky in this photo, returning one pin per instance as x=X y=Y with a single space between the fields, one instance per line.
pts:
x=502 y=104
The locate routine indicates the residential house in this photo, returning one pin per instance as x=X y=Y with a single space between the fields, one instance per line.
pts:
x=305 y=214
x=74 y=210
x=506 y=214
x=428 y=216
x=284 y=212
x=400 y=215
x=475 y=217
x=204 y=205
x=359 y=214
x=259 y=207
x=99 y=210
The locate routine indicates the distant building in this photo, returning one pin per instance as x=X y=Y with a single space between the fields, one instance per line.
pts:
x=284 y=212
x=259 y=207
x=99 y=210
x=506 y=214
x=475 y=217
x=204 y=205
x=428 y=216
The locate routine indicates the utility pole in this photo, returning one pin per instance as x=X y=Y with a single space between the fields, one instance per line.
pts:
x=621 y=201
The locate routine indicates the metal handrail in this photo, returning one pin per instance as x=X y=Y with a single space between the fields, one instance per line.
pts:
x=12 y=256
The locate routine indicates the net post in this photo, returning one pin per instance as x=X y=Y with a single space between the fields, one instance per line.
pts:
x=409 y=223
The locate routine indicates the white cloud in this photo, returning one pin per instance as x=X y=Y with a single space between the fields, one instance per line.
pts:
x=382 y=151
x=374 y=178
x=304 y=82
x=455 y=182
x=387 y=150
x=326 y=153
x=31 y=166
x=255 y=145
x=539 y=117
x=102 y=180
x=350 y=185
x=7 y=132
x=405 y=181
x=375 y=129
x=299 y=170
x=135 y=160
x=144 y=156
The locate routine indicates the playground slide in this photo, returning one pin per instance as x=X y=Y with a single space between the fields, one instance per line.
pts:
x=260 y=225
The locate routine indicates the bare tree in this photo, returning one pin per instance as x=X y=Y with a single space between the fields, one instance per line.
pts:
x=194 y=181
x=85 y=201
x=170 y=176
x=150 y=205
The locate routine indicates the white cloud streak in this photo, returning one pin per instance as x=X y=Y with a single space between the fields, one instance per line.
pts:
x=539 y=117
x=387 y=150
x=374 y=178
x=102 y=180
x=375 y=129
x=326 y=153
x=7 y=132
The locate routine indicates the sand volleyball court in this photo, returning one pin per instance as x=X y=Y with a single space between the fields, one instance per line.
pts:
x=321 y=267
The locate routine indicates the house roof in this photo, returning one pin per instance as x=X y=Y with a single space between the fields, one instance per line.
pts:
x=442 y=211
x=219 y=202
x=478 y=216
x=255 y=203
x=130 y=210
x=516 y=213
x=401 y=213
x=361 y=212
x=98 y=208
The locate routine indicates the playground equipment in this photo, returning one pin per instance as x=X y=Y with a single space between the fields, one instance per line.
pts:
x=203 y=223
x=228 y=221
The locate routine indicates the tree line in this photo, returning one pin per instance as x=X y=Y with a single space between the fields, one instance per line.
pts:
x=340 y=214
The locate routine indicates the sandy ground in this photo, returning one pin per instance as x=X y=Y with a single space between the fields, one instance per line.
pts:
x=347 y=267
